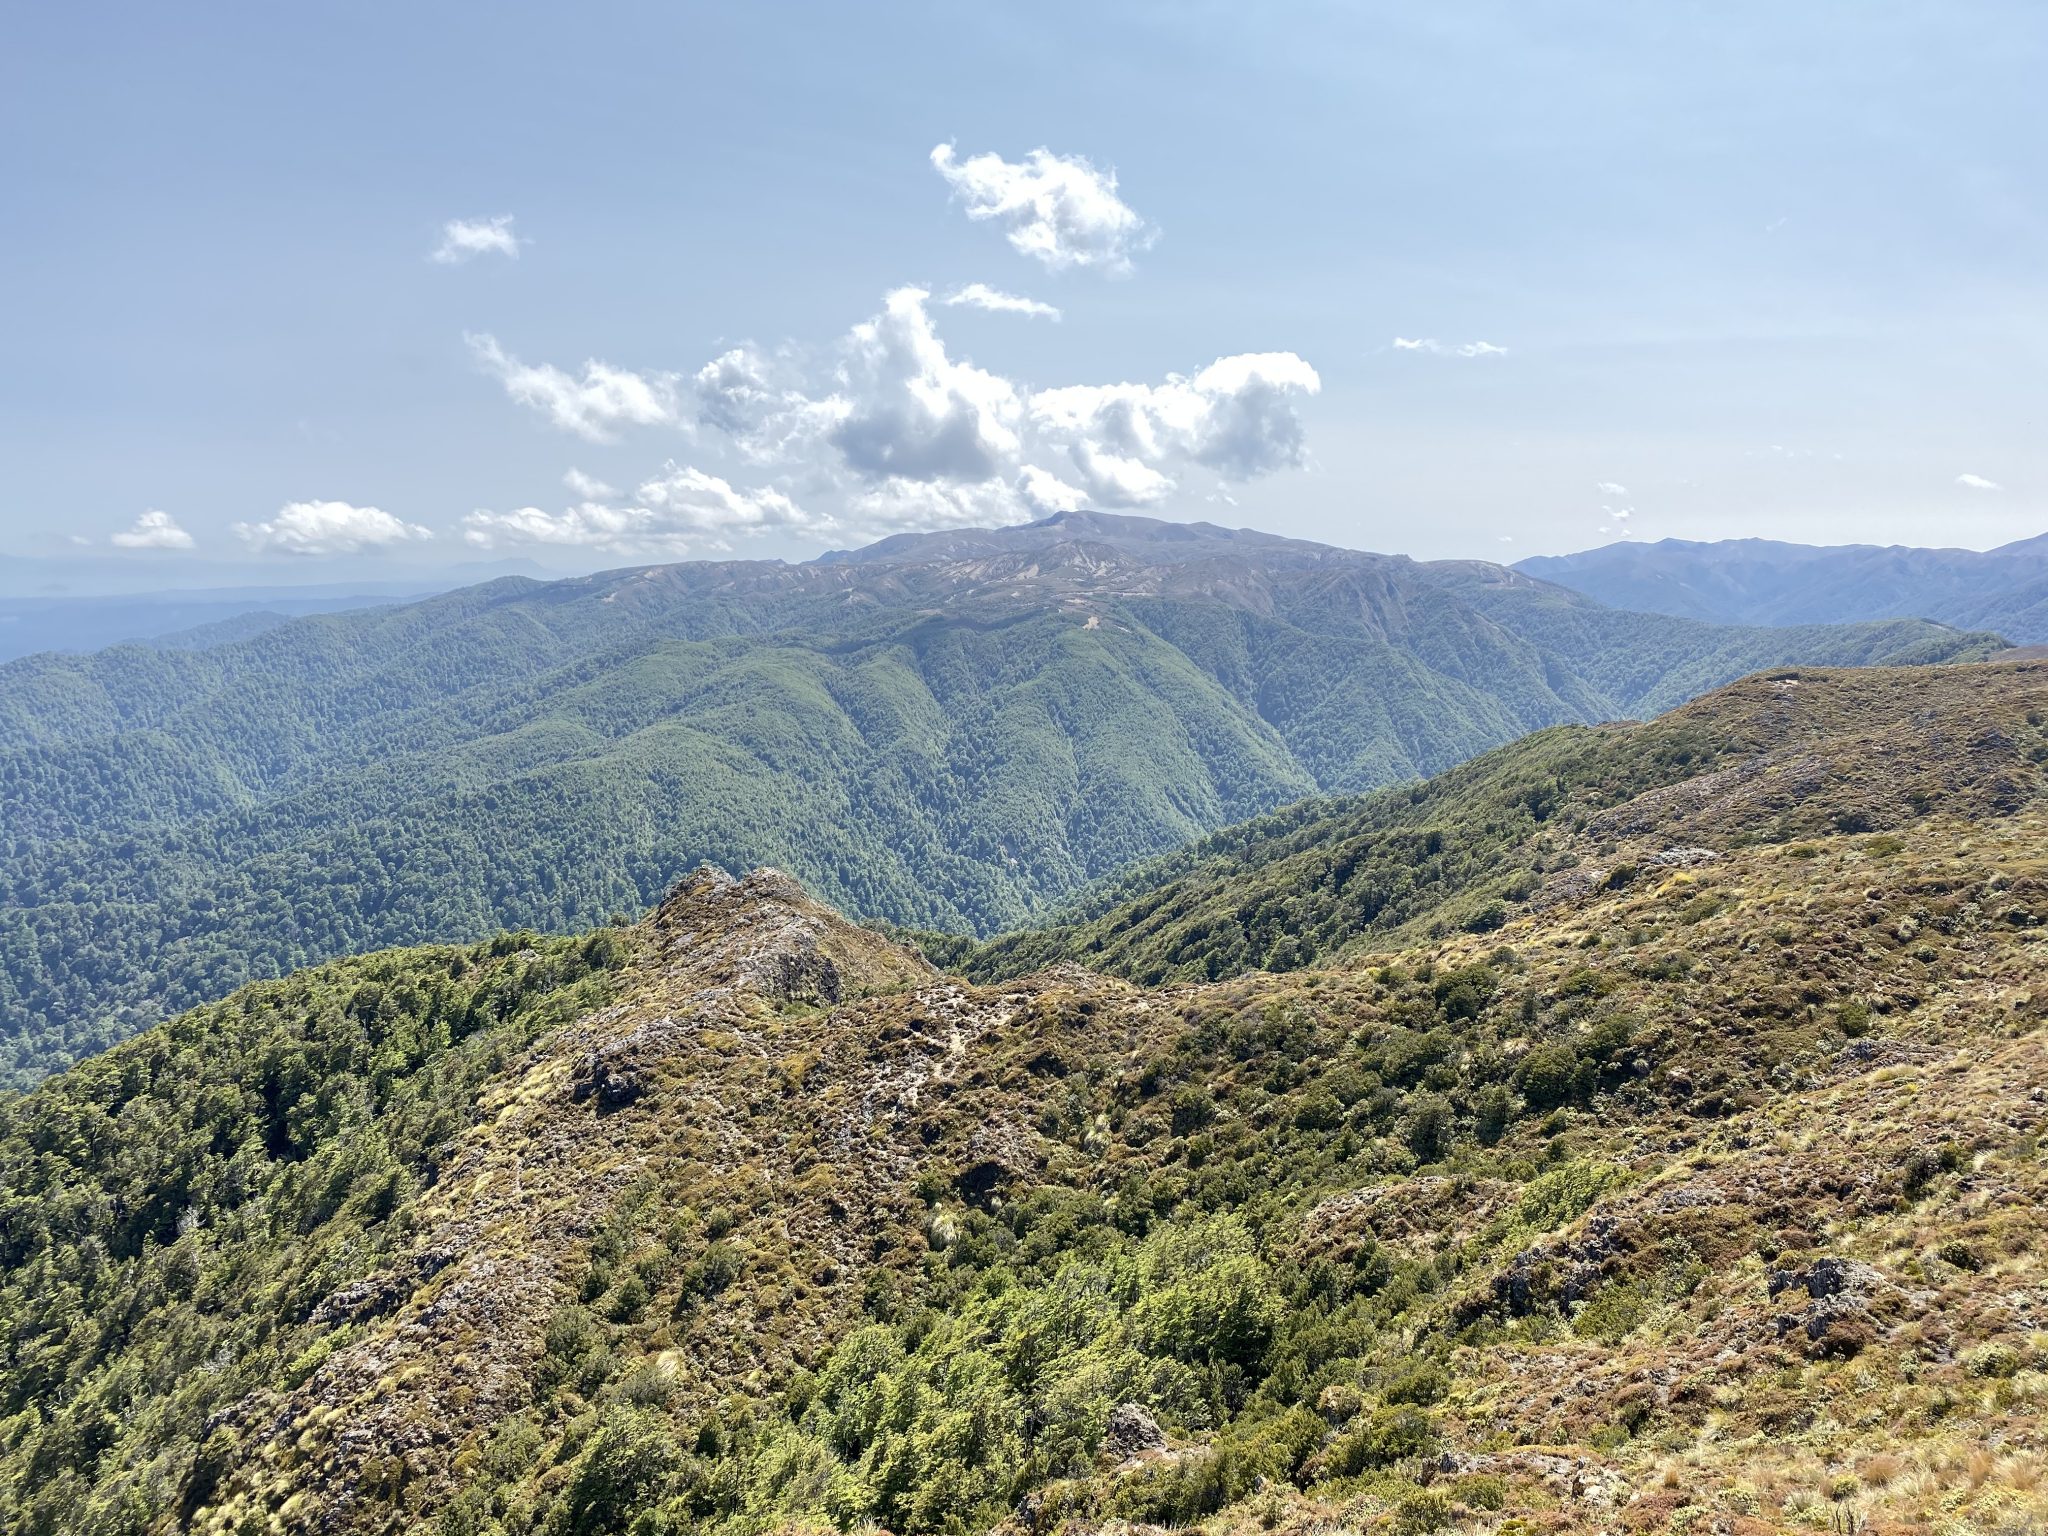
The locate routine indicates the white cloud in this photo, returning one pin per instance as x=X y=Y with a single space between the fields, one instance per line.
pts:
x=594 y=406
x=1119 y=479
x=1437 y=348
x=680 y=511
x=898 y=506
x=1609 y=488
x=1978 y=483
x=463 y=238
x=907 y=410
x=902 y=412
x=587 y=487
x=733 y=391
x=1236 y=417
x=1046 y=493
x=328 y=528
x=1060 y=210
x=981 y=296
x=706 y=502
x=154 y=530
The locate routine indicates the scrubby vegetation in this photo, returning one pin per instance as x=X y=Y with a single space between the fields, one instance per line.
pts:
x=1701 y=1193
x=1475 y=845
x=177 y=1217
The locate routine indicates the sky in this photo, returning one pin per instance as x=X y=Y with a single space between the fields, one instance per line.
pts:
x=323 y=292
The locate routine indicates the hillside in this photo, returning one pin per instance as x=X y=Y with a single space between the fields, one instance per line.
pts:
x=1699 y=1193
x=173 y=619
x=949 y=730
x=1764 y=581
x=1773 y=758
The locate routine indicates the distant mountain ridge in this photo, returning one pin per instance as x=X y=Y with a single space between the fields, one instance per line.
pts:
x=949 y=730
x=1763 y=581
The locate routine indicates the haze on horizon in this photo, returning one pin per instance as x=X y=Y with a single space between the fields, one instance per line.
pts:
x=355 y=294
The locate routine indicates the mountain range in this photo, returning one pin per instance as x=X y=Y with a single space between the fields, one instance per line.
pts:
x=950 y=731
x=1763 y=581
x=1647 y=1139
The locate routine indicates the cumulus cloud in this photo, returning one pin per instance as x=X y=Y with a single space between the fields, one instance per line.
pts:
x=462 y=239
x=1442 y=349
x=981 y=296
x=1236 y=417
x=587 y=487
x=754 y=398
x=1045 y=493
x=1057 y=209
x=594 y=406
x=907 y=410
x=1978 y=483
x=154 y=530
x=1609 y=488
x=733 y=390
x=681 y=510
x=901 y=433
x=328 y=528
x=898 y=505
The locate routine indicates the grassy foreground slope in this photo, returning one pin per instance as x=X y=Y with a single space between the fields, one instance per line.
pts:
x=1700 y=1194
x=948 y=732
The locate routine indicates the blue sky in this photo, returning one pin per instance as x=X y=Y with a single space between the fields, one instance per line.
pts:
x=1773 y=270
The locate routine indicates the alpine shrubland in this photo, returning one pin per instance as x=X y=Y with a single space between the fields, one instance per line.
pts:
x=1695 y=1188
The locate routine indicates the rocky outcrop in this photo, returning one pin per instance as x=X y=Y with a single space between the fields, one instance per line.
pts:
x=1131 y=1433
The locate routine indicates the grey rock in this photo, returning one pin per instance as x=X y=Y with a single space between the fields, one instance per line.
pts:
x=1132 y=1432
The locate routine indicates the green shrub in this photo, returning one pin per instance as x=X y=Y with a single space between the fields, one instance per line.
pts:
x=1422 y=1511
x=1383 y=1437
x=1428 y=1127
x=623 y=1473
x=1551 y=1075
x=1492 y=1111
x=1422 y=1384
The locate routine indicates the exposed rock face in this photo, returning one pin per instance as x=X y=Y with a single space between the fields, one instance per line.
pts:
x=1839 y=1320
x=763 y=933
x=613 y=1084
x=1131 y=1433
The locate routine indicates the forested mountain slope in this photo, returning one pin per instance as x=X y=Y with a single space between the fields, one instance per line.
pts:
x=948 y=730
x=1764 y=581
x=1775 y=757
x=1700 y=1194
